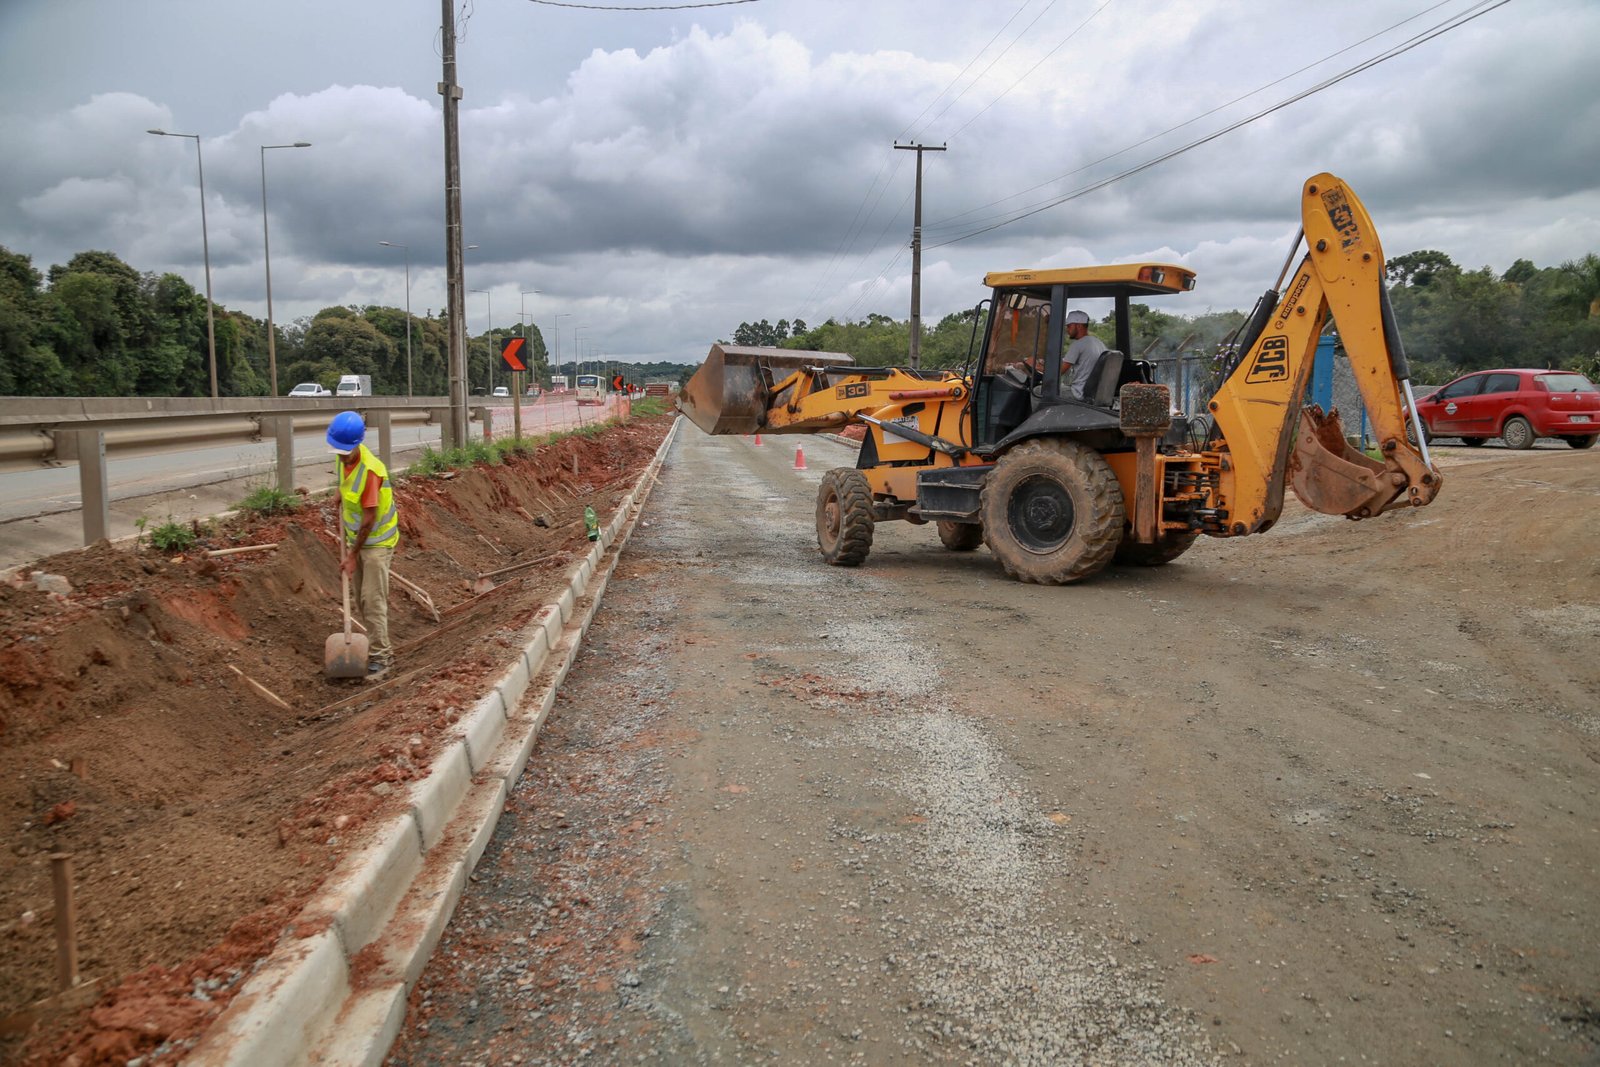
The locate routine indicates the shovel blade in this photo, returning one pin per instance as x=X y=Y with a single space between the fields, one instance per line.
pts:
x=732 y=390
x=346 y=657
x=1331 y=477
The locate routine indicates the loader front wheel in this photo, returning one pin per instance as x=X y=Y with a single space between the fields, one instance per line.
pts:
x=960 y=536
x=1131 y=553
x=844 y=517
x=1052 y=512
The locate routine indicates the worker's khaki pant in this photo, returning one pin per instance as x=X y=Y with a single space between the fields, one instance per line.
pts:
x=372 y=591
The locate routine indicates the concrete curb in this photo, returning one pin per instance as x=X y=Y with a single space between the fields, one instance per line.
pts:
x=334 y=990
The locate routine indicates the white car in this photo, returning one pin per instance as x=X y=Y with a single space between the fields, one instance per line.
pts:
x=309 y=389
x=501 y=390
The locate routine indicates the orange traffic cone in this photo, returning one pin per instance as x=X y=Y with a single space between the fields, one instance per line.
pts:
x=799 y=458
x=758 y=440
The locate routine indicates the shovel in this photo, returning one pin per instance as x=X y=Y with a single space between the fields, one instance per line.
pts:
x=345 y=655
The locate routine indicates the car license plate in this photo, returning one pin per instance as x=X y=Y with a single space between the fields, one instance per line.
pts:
x=1580 y=418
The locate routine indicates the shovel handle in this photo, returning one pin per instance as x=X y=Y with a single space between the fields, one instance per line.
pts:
x=344 y=581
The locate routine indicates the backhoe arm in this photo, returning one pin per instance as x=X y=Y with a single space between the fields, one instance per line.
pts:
x=1257 y=406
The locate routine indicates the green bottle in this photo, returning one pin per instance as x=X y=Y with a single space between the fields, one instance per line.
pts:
x=591 y=522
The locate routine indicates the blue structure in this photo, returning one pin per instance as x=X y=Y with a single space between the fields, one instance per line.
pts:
x=1322 y=372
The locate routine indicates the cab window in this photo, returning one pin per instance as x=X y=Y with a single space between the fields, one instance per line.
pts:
x=1019 y=330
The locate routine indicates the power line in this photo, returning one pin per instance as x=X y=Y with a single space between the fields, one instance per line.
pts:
x=658 y=7
x=968 y=67
x=1455 y=23
x=1042 y=12
x=1035 y=67
x=948 y=222
x=847 y=242
x=943 y=111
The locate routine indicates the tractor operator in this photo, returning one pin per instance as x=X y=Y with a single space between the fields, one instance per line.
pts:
x=1078 y=362
x=370 y=525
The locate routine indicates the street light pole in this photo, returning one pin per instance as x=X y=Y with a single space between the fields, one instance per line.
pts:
x=556 y=330
x=205 y=244
x=489 y=336
x=391 y=244
x=522 y=316
x=266 y=247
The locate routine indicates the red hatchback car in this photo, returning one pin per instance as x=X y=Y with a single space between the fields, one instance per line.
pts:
x=1517 y=406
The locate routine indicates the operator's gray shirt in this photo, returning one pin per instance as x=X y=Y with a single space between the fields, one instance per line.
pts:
x=1082 y=354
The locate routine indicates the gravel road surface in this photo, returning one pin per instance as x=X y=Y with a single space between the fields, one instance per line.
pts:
x=1322 y=796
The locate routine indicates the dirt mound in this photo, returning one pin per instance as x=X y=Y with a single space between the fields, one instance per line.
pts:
x=198 y=813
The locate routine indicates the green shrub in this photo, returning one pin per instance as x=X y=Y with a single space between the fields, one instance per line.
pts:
x=647 y=406
x=172 y=536
x=429 y=463
x=269 y=500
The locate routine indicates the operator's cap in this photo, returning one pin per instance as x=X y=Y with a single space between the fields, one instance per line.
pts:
x=1079 y=317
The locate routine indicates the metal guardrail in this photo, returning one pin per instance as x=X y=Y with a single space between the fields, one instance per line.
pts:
x=53 y=431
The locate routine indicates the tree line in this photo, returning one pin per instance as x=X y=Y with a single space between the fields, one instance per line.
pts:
x=97 y=327
x=1451 y=321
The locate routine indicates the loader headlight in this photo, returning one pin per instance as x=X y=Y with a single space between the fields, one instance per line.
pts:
x=1153 y=275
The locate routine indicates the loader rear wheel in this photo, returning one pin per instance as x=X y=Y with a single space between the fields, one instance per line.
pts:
x=1132 y=553
x=844 y=517
x=1052 y=512
x=960 y=536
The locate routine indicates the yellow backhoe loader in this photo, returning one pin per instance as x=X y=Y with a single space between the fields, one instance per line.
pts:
x=1059 y=487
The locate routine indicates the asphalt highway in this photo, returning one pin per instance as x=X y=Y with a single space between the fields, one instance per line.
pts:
x=40 y=510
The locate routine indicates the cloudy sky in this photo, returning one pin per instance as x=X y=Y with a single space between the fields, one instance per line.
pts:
x=661 y=176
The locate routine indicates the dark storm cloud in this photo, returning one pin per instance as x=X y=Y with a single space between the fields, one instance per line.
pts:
x=703 y=176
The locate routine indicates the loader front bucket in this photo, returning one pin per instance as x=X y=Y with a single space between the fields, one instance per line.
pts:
x=1331 y=477
x=733 y=388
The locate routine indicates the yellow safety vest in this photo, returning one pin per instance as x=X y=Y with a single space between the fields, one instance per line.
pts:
x=385 y=532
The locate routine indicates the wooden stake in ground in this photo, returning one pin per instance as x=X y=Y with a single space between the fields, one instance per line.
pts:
x=416 y=592
x=260 y=690
x=66 y=920
x=241 y=550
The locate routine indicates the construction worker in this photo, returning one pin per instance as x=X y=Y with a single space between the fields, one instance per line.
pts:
x=370 y=522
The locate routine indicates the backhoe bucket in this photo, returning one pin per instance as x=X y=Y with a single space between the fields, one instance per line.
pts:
x=1331 y=477
x=732 y=390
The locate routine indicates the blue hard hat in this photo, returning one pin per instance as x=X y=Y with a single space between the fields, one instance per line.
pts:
x=346 y=431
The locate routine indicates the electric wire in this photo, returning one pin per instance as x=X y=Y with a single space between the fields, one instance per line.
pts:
x=653 y=7
x=972 y=84
x=948 y=222
x=821 y=283
x=1033 y=68
x=1454 y=23
x=878 y=243
x=975 y=57
x=852 y=232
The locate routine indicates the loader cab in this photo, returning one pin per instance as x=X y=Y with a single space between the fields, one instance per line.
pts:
x=1026 y=320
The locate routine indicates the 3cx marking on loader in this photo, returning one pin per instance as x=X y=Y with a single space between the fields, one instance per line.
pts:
x=1058 y=486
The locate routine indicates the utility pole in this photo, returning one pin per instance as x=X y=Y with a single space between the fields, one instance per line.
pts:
x=916 y=256
x=456 y=283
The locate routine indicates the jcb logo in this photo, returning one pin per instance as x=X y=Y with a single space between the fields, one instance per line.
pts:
x=1343 y=217
x=1272 y=362
x=853 y=390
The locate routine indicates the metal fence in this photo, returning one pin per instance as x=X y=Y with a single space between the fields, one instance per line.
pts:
x=1192 y=378
x=54 y=431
